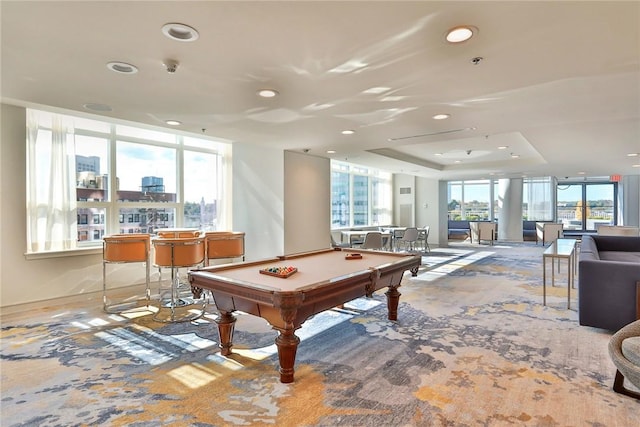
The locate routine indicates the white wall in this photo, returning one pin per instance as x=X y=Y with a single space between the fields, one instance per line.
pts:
x=402 y=202
x=258 y=199
x=426 y=207
x=423 y=202
x=307 y=209
x=631 y=200
x=443 y=213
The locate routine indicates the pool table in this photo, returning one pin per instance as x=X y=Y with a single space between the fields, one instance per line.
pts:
x=324 y=279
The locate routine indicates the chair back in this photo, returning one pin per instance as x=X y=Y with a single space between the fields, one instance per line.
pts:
x=618 y=230
x=224 y=244
x=177 y=233
x=410 y=234
x=551 y=231
x=178 y=252
x=486 y=230
x=126 y=248
x=372 y=240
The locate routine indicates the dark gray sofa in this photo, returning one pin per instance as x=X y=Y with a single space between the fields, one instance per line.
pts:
x=609 y=270
x=529 y=232
x=459 y=229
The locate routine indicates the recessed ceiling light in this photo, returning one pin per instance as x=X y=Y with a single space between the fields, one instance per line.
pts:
x=267 y=93
x=331 y=151
x=180 y=32
x=635 y=166
x=348 y=132
x=633 y=154
x=122 y=67
x=503 y=147
x=97 y=107
x=515 y=156
x=438 y=154
x=582 y=173
x=460 y=34
x=441 y=116
x=458 y=161
x=173 y=122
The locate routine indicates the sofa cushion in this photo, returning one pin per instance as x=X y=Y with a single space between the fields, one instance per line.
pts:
x=620 y=256
x=631 y=350
x=458 y=225
x=459 y=228
x=615 y=243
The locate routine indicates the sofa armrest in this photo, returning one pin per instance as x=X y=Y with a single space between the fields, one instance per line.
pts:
x=608 y=296
x=637 y=300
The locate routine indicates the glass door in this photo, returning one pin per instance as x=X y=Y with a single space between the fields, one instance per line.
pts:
x=600 y=205
x=582 y=207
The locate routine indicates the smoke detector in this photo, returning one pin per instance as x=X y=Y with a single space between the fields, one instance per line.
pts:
x=171 y=65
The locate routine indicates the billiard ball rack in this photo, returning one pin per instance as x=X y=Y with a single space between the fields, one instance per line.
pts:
x=282 y=272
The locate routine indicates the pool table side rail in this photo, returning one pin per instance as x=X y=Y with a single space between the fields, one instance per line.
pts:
x=405 y=261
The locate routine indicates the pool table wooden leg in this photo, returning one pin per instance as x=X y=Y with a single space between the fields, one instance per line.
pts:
x=393 y=299
x=226 y=324
x=287 y=343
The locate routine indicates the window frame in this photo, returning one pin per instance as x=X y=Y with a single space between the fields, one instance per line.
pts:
x=110 y=219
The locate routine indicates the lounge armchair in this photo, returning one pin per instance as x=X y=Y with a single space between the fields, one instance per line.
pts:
x=624 y=349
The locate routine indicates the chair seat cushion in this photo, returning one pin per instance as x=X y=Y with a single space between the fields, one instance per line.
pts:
x=631 y=350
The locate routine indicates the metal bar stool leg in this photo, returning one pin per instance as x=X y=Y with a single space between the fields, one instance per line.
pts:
x=173 y=254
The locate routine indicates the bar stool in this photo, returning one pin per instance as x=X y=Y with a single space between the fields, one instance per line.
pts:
x=224 y=244
x=176 y=303
x=121 y=249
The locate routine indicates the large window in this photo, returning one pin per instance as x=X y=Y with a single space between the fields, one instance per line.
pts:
x=476 y=200
x=359 y=196
x=583 y=206
x=471 y=200
x=88 y=178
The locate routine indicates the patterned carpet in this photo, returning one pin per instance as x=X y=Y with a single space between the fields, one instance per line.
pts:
x=473 y=346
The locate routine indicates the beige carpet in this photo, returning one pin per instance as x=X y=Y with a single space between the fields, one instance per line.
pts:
x=473 y=346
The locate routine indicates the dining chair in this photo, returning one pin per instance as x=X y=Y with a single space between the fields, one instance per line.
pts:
x=356 y=239
x=396 y=237
x=372 y=240
x=335 y=244
x=423 y=235
x=409 y=238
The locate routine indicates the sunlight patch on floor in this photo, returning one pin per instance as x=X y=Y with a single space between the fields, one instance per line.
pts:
x=442 y=266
